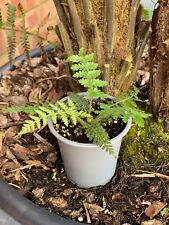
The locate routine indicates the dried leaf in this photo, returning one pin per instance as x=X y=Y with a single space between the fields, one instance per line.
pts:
x=37 y=72
x=6 y=168
x=53 y=68
x=67 y=192
x=21 y=152
x=94 y=209
x=1 y=139
x=154 y=208
x=15 y=116
x=35 y=95
x=35 y=61
x=90 y=197
x=152 y=222
x=18 y=100
x=73 y=213
x=11 y=132
x=36 y=163
x=4 y=91
x=38 y=192
x=3 y=120
x=58 y=202
x=118 y=196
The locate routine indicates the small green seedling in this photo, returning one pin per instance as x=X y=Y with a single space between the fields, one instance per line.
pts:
x=164 y=211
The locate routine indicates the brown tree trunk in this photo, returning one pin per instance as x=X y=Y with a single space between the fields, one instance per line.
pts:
x=107 y=28
x=159 y=58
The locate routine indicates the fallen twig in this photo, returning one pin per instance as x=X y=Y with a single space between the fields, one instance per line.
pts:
x=12 y=124
x=35 y=163
x=150 y=175
x=43 y=140
x=87 y=212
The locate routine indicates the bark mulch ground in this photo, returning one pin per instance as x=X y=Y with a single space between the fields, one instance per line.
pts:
x=32 y=163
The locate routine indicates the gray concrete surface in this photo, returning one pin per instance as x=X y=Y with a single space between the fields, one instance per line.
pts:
x=7 y=220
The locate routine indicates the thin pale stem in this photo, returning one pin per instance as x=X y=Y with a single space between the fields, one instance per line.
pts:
x=65 y=39
x=76 y=24
x=110 y=27
x=132 y=21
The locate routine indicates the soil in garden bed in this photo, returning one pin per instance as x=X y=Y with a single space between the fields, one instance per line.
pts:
x=32 y=163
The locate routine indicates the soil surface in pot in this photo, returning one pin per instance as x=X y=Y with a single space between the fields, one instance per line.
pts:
x=32 y=163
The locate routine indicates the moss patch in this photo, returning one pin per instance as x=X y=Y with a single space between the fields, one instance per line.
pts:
x=147 y=146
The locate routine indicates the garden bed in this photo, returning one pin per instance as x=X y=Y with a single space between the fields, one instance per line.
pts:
x=32 y=164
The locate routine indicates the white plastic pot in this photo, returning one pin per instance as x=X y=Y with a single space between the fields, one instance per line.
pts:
x=87 y=165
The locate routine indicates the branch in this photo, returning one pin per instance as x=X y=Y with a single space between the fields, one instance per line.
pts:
x=65 y=39
x=92 y=26
x=77 y=24
x=87 y=13
x=110 y=26
x=132 y=21
x=61 y=13
x=128 y=80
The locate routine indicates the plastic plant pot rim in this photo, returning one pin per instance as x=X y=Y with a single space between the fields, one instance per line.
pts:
x=87 y=145
x=15 y=204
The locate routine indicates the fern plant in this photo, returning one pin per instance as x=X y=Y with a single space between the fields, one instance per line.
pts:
x=80 y=109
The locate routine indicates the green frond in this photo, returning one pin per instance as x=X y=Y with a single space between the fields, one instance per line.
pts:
x=74 y=58
x=87 y=74
x=93 y=92
x=93 y=83
x=21 y=9
x=124 y=107
x=43 y=116
x=87 y=58
x=50 y=112
x=98 y=135
x=82 y=114
x=72 y=111
x=82 y=59
x=24 y=35
x=22 y=108
x=80 y=102
x=25 y=42
x=37 y=121
x=63 y=116
x=28 y=127
x=84 y=66
x=11 y=9
x=11 y=40
x=81 y=52
x=11 y=34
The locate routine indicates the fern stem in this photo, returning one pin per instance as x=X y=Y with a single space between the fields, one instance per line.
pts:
x=82 y=122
